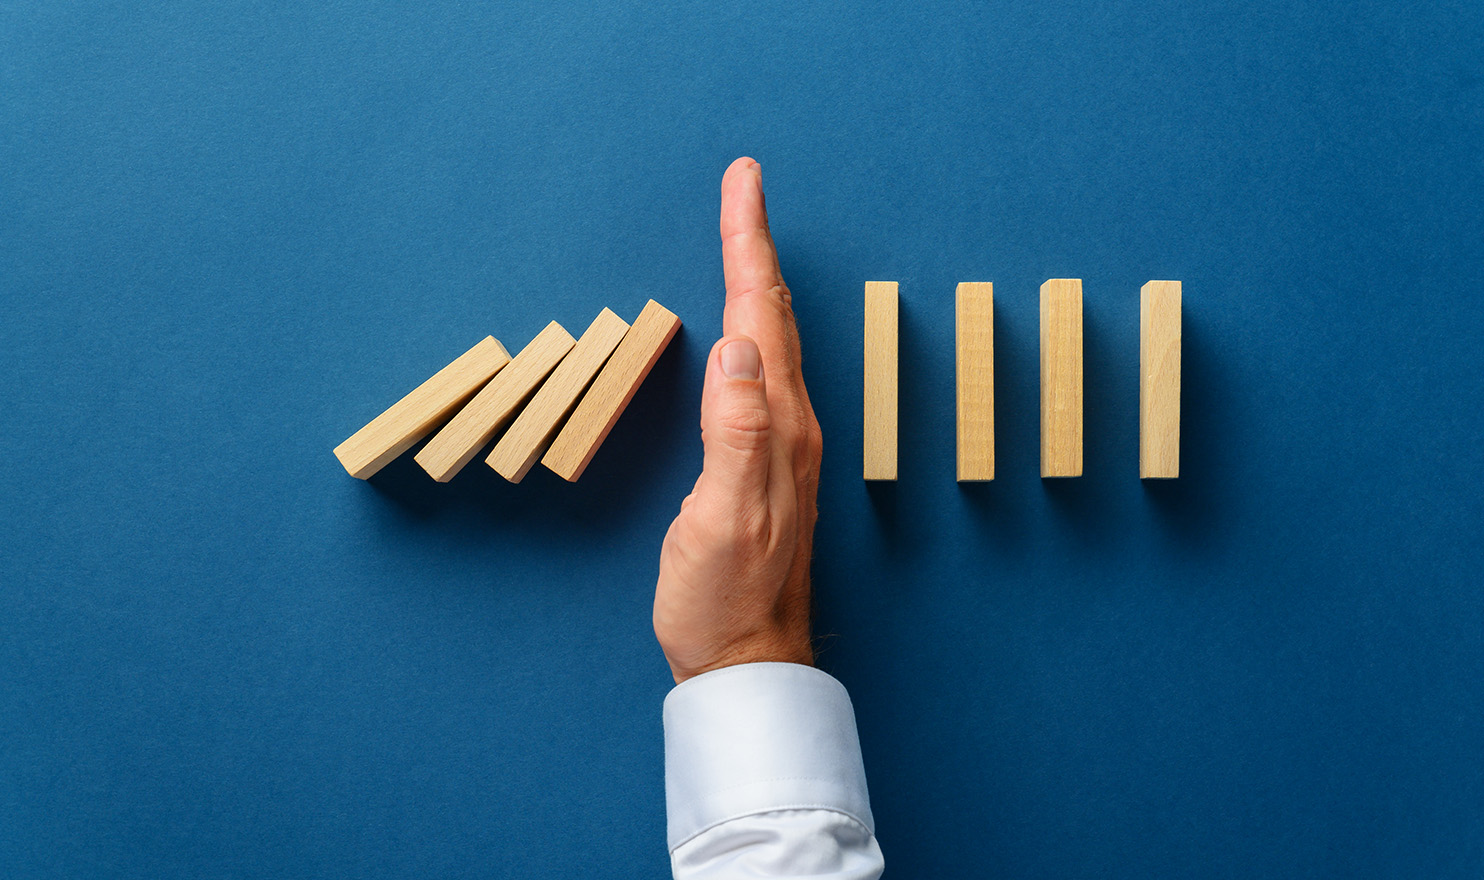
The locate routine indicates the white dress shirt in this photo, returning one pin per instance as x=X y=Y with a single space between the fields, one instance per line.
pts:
x=763 y=777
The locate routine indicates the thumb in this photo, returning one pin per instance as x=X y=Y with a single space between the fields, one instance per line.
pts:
x=736 y=427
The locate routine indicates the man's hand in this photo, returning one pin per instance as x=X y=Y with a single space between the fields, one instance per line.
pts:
x=734 y=571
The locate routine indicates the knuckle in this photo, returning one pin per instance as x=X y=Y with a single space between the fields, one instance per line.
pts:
x=813 y=440
x=776 y=294
x=745 y=425
x=804 y=441
x=738 y=533
x=751 y=534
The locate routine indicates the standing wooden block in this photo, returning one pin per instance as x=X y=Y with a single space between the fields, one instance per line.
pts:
x=611 y=392
x=1159 y=380
x=974 y=313
x=424 y=408
x=1061 y=378
x=881 y=381
x=476 y=424
x=537 y=424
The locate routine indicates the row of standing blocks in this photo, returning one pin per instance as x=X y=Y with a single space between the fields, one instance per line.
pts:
x=1061 y=379
x=560 y=397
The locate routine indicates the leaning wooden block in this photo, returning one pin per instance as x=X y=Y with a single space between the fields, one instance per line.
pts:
x=537 y=424
x=611 y=392
x=423 y=409
x=1159 y=380
x=880 y=427
x=974 y=313
x=476 y=424
x=1061 y=378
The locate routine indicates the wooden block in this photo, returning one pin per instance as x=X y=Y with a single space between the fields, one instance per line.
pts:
x=611 y=392
x=881 y=381
x=1061 y=378
x=974 y=322
x=1159 y=380
x=423 y=409
x=537 y=424
x=476 y=424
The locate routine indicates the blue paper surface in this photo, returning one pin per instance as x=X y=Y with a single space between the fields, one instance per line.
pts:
x=232 y=233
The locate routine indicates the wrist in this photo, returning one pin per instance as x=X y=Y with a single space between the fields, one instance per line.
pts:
x=799 y=651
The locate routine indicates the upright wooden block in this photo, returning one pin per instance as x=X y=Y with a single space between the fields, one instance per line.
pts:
x=881 y=381
x=577 y=443
x=1061 y=378
x=1159 y=380
x=476 y=424
x=423 y=409
x=974 y=354
x=537 y=424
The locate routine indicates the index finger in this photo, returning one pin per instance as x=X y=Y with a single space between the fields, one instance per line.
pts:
x=758 y=303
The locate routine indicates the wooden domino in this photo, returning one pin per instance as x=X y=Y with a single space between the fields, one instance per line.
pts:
x=1159 y=380
x=423 y=409
x=537 y=424
x=974 y=366
x=478 y=422
x=1061 y=378
x=880 y=427
x=597 y=412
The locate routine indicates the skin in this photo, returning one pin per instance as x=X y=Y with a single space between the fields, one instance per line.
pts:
x=734 y=569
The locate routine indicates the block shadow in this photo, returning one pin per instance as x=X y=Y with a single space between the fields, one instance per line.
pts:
x=997 y=510
x=630 y=471
x=897 y=532
x=1087 y=504
x=1187 y=508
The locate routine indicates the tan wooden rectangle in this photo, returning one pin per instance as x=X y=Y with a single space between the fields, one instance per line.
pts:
x=478 y=422
x=598 y=411
x=423 y=409
x=880 y=427
x=1159 y=380
x=537 y=424
x=1061 y=378
x=974 y=366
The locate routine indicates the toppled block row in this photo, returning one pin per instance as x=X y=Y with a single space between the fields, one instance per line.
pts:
x=559 y=396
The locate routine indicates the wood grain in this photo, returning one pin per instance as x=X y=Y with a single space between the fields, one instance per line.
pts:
x=423 y=409
x=880 y=428
x=974 y=367
x=1061 y=378
x=479 y=421
x=1159 y=380
x=597 y=412
x=537 y=424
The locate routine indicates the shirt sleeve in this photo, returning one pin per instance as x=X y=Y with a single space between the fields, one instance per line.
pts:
x=763 y=777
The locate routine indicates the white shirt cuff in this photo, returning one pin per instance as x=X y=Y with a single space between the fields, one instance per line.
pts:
x=756 y=738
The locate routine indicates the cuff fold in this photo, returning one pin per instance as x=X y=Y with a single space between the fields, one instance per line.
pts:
x=756 y=738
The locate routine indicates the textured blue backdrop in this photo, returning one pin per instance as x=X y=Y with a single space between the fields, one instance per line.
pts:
x=232 y=232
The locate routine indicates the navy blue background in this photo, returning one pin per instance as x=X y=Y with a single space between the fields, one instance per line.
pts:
x=230 y=235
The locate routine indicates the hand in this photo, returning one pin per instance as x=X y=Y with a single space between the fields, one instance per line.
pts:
x=734 y=570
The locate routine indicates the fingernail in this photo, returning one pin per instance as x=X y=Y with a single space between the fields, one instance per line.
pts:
x=740 y=360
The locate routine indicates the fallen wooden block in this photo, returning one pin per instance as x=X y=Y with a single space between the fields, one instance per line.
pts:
x=477 y=423
x=537 y=424
x=423 y=409
x=597 y=412
x=880 y=426
x=1159 y=380
x=974 y=365
x=1061 y=378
